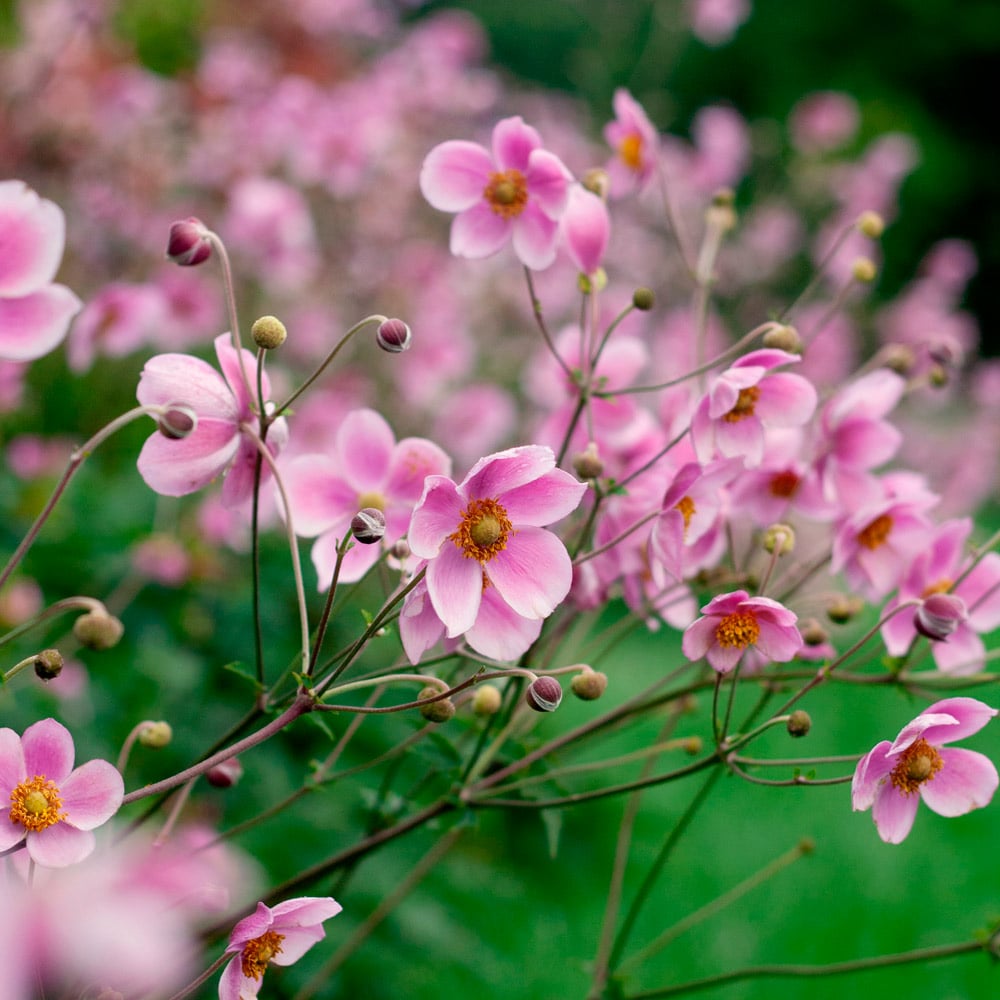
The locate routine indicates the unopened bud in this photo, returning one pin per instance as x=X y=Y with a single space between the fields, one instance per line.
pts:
x=720 y=214
x=544 y=694
x=693 y=745
x=400 y=549
x=155 y=735
x=842 y=608
x=898 y=358
x=590 y=283
x=940 y=615
x=863 y=269
x=487 y=700
x=813 y=633
x=98 y=630
x=589 y=685
x=435 y=711
x=938 y=376
x=394 y=336
x=870 y=224
x=799 y=723
x=48 y=664
x=225 y=774
x=779 y=538
x=189 y=243
x=268 y=332
x=643 y=299
x=587 y=464
x=368 y=525
x=783 y=338
x=596 y=180
x=177 y=421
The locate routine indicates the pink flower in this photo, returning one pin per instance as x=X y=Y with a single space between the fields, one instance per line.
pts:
x=281 y=935
x=54 y=807
x=635 y=140
x=34 y=313
x=218 y=443
x=585 y=229
x=517 y=192
x=715 y=21
x=745 y=399
x=892 y=778
x=733 y=622
x=488 y=531
x=368 y=468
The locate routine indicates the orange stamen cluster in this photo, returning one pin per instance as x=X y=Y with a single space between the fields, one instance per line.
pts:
x=740 y=629
x=875 y=534
x=744 y=405
x=630 y=151
x=257 y=954
x=35 y=804
x=687 y=508
x=785 y=484
x=918 y=763
x=507 y=193
x=483 y=530
x=941 y=587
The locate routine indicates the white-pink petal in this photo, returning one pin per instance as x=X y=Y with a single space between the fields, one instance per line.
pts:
x=785 y=400
x=535 y=236
x=966 y=781
x=505 y=471
x=92 y=794
x=499 y=631
x=319 y=498
x=412 y=462
x=455 y=586
x=894 y=812
x=533 y=573
x=32 y=237
x=437 y=515
x=35 y=324
x=969 y=715
x=176 y=468
x=548 y=183
x=546 y=499
x=513 y=143
x=455 y=174
x=365 y=442
x=60 y=845
x=182 y=378
x=48 y=749
x=478 y=232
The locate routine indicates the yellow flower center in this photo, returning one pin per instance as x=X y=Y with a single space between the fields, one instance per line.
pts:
x=941 y=587
x=874 y=535
x=687 y=508
x=483 y=530
x=507 y=193
x=630 y=151
x=258 y=953
x=744 y=405
x=371 y=499
x=740 y=629
x=35 y=804
x=918 y=763
x=785 y=484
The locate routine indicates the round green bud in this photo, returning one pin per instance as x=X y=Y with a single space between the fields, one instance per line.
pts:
x=48 y=664
x=98 y=630
x=487 y=700
x=870 y=224
x=589 y=685
x=268 y=332
x=596 y=181
x=155 y=735
x=779 y=538
x=587 y=464
x=813 y=633
x=435 y=711
x=643 y=299
x=783 y=338
x=863 y=269
x=799 y=723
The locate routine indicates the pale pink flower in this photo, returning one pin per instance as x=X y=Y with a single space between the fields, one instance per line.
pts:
x=280 y=935
x=745 y=399
x=367 y=468
x=53 y=806
x=892 y=778
x=634 y=139
x=516 y=192
x=218 y=443
x=117 y=320
x=734 y=622
x=585 y=229
x=488 y=531
x=822 y=121
x=34 y=313
x=716 y=21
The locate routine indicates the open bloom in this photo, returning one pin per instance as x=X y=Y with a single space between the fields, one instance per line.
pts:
x=221 y=438
x=53 y=807
x=34 y=313
x=282 y=935
x=488 y=531
x=517 y=192
x=733 y=622
x=634 y=139
x=892 y=778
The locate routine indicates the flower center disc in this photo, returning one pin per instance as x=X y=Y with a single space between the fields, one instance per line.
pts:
x=258 y=953
x=875 y=534
x=784 y=484
x=483 y=531
x=507 y=193
x=35 y=804
x=630 y=151
x=740 y=629
x=918 y=763
x=744 y=407
x=687 y=508
x=371 y=499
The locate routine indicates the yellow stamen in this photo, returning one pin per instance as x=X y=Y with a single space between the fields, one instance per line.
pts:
x=744 y=405
x=483 y=530
x=918 y=763
x=258 y=953
x=35 y=804
x=507 y=193
x=941 y=587
x=371 y=499
x=630 y=151
x=687 y=508
x=740 y=629
x=875 y=534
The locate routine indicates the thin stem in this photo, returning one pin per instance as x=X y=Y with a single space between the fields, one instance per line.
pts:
x=673 y=222
x=324 y=619
x=229 y=293
x=607 y=546
x=77 y=603
x=820 y=272
x=536 y=308
x=204 y=977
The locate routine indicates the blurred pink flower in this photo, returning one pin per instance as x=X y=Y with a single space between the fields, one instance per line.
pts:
x=635 y=141
x=34 y=313
x=517 y=192
x=585 y=229
x=54 y=807
x=822 y=121
x=716 y=21
x=892 y=778
x=282 y=935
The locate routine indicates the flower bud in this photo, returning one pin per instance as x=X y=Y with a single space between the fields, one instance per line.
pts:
x=400 y=549
x=98 y=630
x=870 y=224
x=268 y=332
x=799 y=723
x=394 y=336
x=842 y=608
x=783 y=338
x=48 y=664
x=544 y=694
x=587 y=464
x=155 y=735
x=898 y=358
x=596 y=180
x=940 y=615
x=487 y=700
x=435 y=711
x=177 y=421
x=188 y=243
x=720 y=214
x=813 y=633
x=368 y=525
x=225 y=774
x=863 y=269
x=779 y=538
x=643 y=299
x=938 y=376
x=589 y=685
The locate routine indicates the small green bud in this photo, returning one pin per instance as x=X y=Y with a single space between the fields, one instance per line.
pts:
x=643 y=299
x=870 y=224
x=48 y=664
x=98 y=630
x=155 y=735
x=587 y=464
x=799 y=723
x=589 y=685
x=783 y=338
x=268 y=332
x=487 y=700
x=435 y=711
x=864 y=270
x=779 y=538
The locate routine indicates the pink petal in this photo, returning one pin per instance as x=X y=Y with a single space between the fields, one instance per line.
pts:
x=412 y=462
x=548 y=183
x=513 y=143
x=898 y=632
x=478 y=232
x=981 y=592
x=785 y=400
x=181 y=378
x=419 y=626
x=48 y=750
x=175 y=468
x=500 y=632
x=437 y=514
x=60 y=845
x=865 y=444
x=250 y=927
x=92 y=794
x=778 y=642
x=548 y=498
x=967 y=781
x=455 y=586
x=535 y=237
x=32 y=236
x=741 y=438
x=455 y=174
x=894 y=813
x=937 y=723
x=233 y=985
x=699 y=637
x=35 y=324
x=505 y=471
x=723 y=658
x=303 y=911
x=969 y=715
x=963 y=653
x=10 y=833
x=533 y=573
x=365 y=443
x=11 y=761
x=871 y=769
x=229 y=362
x=585 y=229
x=320 y=499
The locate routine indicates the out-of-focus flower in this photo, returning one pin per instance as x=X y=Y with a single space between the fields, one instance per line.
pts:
x=585 y=229
x=53 y=806
x=34 y=313
x=517 y=192
x=823 y=121
x=715 y=21
x=635 y=141
x=282 y=935
x=892 y=778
